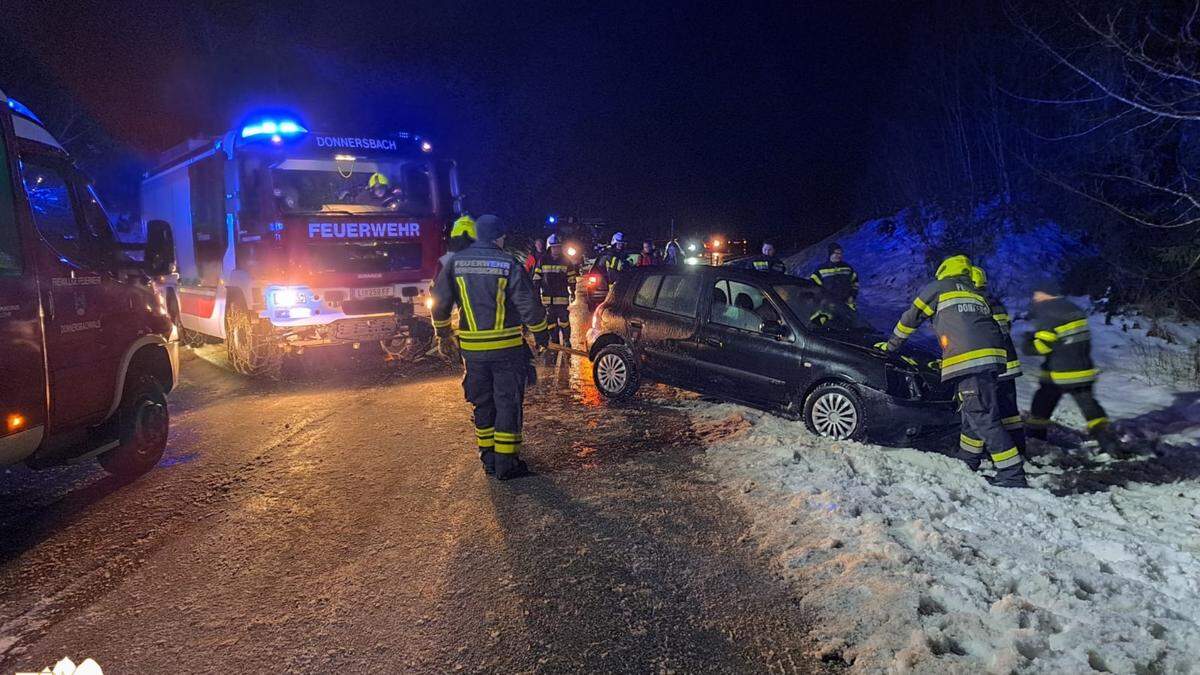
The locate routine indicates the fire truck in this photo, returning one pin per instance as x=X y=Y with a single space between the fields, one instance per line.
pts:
x=290 y=240
x=88 y=348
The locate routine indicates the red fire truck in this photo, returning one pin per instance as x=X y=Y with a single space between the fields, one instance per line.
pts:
x=290 y=239
x=87 y=346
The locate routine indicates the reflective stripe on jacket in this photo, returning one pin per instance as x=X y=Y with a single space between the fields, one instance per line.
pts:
x=495 y=297
x=839 y=280
x=555 y=278
x=969 y=337
x=1061 y=334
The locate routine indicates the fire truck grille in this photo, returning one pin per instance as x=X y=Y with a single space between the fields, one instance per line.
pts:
x=370 y=306
x=360 y=330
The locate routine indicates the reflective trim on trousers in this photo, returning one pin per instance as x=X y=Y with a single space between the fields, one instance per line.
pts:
x=971 y=445
x=1003 y=460
x=486 y=437
x=508 y=443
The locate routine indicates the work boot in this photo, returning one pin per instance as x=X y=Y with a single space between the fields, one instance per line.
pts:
x=1110 y=443
x=1010 y=477
x=510 y=466
x=488 y=458
x=972 y=460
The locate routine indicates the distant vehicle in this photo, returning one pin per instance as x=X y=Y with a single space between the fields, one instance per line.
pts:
x=88 y=349
x=291 y=240
x=767 y=340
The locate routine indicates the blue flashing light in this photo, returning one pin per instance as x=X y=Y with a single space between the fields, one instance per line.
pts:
x=276 y=129
x=550 y=220
x=23 y=110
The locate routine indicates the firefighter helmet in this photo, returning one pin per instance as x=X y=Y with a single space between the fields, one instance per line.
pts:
x=954 y=266
x=463 y=226
x=617 y=238
x=552 y=240
x=978 y=277
x=376 y=180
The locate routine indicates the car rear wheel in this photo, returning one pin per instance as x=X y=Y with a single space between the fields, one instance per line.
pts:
x=615 y=372
x=143 y=422
x=834 y=410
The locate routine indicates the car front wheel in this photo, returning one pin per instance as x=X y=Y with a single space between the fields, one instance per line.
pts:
x=834 y=410
x=615 y=372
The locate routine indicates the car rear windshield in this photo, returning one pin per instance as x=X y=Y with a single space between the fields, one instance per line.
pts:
x=817 y=312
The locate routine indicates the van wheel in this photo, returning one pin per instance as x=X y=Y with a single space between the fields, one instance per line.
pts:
x=251 y=346
x=834 y=410
x=615 y=372
x=142 y=424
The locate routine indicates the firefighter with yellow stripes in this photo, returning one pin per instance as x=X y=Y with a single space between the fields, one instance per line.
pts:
x=973 y=356
x=1006 y=381
x=555 y=276
x=837 y=277
x=495 y=299
x=1061 y=335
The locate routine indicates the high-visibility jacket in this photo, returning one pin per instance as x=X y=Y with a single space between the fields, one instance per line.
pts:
x=1061 y=334
x=495 y=298
x=1012 y=366
x=969 y=337
x=839 y=280
x=612 y=261
x=763 y=263
x=555 y=278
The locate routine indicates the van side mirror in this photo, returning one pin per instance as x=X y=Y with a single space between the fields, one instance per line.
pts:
x=160 y=249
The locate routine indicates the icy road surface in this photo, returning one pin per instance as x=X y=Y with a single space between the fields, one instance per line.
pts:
x=343 y=524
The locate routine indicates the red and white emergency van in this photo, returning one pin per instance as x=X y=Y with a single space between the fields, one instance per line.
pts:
x=290 y=239
x=88 y=350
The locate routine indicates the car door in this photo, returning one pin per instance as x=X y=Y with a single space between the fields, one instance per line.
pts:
x=745 y=361
x=76 y=281
x=23 y=393
x=662 y=318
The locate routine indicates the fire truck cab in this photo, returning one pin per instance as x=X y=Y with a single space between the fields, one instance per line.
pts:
x=88 y=350
x=290 y=239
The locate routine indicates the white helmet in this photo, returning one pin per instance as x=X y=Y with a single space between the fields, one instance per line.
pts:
x=617 y=237
x=552 y=240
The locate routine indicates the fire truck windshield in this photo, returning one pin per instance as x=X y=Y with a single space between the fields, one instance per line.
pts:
x=352 y=185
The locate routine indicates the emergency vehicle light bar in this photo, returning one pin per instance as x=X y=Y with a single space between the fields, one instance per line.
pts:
x=23 y=110
x=275 y=128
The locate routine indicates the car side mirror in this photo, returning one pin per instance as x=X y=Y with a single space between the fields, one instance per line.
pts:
x=777 y=330
x=159 y=259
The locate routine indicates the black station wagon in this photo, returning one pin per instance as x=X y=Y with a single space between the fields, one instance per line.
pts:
x=768 y=340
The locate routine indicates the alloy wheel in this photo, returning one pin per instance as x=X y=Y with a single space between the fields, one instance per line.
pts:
x=834 y=415
x=611 y=373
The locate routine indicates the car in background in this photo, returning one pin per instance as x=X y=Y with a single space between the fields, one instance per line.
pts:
x=767 y=340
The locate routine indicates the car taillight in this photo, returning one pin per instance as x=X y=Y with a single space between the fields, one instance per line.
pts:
x=593 y=279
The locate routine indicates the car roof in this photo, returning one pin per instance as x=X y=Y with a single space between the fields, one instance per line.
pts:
x=725 y=272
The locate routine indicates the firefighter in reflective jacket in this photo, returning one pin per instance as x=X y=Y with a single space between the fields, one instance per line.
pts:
x=973 y=356
x=767 y=262
x=495 y=298
x=838 y=278
x=555 y=276
x=1006 y=381
x=613 y=259
x=1061 y=335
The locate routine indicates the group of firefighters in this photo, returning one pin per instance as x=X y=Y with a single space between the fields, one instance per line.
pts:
x=498 y=298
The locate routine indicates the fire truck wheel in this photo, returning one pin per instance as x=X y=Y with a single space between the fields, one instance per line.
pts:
x=252 y=348
x=142 y=424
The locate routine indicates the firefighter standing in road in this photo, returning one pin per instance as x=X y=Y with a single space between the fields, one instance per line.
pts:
x=767 y=262
x=555 y=276
x=495 y=298
x=1006 y=381
x=1062 y=336
x=973 y=355
x=838 y=278
x=613 y=259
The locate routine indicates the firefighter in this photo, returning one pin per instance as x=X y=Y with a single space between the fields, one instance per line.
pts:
x=495 y=298
x=1061 y=335
x=973 y=356
x=555 y=276
x=378 y=191
x=1006 y=381
x=462 y=235
x=767 y=262
x=837 y=277
x=531 y=260
x=613 y=259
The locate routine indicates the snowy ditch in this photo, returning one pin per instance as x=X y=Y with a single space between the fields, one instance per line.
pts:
x=914 y=564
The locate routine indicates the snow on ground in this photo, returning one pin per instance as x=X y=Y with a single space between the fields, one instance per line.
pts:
x=914 y=564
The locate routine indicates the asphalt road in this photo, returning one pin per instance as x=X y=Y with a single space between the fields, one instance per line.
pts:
x=341 y=523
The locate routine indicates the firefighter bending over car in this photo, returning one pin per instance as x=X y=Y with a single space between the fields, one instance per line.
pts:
x=837 y=277
x=1010 y=413
x=1062 y=336
x=495 y=298
x=555 y=276
x=973 y=357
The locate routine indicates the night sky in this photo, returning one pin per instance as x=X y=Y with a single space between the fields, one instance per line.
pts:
x=744 y=120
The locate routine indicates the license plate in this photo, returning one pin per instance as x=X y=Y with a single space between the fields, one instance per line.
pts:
x=381 y=292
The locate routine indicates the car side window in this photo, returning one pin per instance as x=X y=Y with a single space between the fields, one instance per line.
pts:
x=648 y=291
x=741 y=306
x=678 y=294
x=54 y=213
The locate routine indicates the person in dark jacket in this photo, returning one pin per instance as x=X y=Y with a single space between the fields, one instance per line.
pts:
x=1007 y=380
x=766 y=262
x=648 y=256
x=837 y=277
x=495 y=299
x=1061 y=335
x=973 y=356
x=555 y=277
x=613 y=259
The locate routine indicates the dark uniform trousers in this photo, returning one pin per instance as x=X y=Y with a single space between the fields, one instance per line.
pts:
x=558 y=320
x=1046 y=399
x=497 y=391
x=979 y=396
